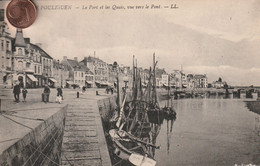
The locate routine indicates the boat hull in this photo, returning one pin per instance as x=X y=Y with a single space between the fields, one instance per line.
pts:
x=129 y=150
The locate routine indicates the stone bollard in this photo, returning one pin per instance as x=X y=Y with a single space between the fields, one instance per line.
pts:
x=78 y=94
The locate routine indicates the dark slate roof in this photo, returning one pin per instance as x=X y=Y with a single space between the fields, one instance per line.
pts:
x=91 y=59
x=89 y=72
x=59 y=65
x=76 y=65
x=42 y=52
x=159 y=72
x=199 y=76
x=19 y=40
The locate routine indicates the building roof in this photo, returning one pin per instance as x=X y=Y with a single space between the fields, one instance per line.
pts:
x=76 y=65
x=19 y=39
x=59 y=65
x=199 y=76
x=91 y=59
x=89 y=72
x=159 y=72
x=42 y=52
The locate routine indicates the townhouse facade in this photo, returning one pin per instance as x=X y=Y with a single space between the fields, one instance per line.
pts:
x=99 y=69
x=60 y=74
x=22 y=62
x=5 y=56
x=200 y=81
x=77 y=72
x=189 y=81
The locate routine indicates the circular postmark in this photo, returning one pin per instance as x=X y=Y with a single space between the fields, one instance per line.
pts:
x=21 y=13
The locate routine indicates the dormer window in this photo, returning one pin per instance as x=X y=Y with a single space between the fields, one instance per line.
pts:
x=19 y=51
x=7 y=45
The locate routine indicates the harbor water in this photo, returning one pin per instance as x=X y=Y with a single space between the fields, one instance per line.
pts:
x=209 y=132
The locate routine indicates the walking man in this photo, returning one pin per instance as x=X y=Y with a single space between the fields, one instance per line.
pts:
x=17 y=91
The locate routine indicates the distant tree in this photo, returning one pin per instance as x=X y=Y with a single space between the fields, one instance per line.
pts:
x=219 y=79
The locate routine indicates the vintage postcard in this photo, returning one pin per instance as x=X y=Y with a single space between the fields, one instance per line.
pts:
x=129 y=82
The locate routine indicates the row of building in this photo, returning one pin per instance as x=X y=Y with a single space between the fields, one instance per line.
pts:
x=177 y=79
x=28 y=64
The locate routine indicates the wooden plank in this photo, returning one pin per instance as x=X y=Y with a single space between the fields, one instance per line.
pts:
x=82 y=154
x=96 y=162
x=80 y=140
x=80 y=134
x=72 y=123
x=81 y=146
x=81 y=127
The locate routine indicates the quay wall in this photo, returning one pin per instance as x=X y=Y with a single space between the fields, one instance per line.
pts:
x=107 y=106
x=40 y=146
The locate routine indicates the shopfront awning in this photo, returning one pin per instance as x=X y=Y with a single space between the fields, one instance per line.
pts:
x=89 y=82
x=70 y=82
x=53 y=80
x=32 y=78
x=103 y=83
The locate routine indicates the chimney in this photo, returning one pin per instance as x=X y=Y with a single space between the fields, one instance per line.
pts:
x=64 y=58
x=76 y=59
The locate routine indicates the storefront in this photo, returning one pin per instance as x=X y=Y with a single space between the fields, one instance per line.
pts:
x=89 y=84
x=31 y=81
x=52 y=82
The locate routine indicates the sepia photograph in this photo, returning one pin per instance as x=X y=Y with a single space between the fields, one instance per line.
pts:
x=129 y=83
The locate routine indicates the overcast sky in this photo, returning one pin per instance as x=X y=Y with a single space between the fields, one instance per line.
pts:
x=220 y=39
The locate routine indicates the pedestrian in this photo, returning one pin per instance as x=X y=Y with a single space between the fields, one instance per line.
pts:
x=112 y=90
x=59 y=91
x=46 y=94
x=16 y=92
x=107 y=89
x=83 y=89
x=59 y=95
x=24 y=92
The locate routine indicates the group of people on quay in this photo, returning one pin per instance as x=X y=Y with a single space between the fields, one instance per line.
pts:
x=17 y=91
x=45 y=95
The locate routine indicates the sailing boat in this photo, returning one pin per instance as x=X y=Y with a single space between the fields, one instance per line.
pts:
x=155 y=113
x=132 y=132
x=170 y=114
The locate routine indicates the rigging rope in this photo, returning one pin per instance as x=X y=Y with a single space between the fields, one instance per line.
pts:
x=55 y=141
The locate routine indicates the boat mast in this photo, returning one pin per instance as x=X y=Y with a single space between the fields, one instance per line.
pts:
x=133 y=86
x=168 y=90
x=154 y=80
x=118 y=93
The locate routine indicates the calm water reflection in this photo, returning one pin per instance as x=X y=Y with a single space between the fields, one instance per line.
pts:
x=209 y=132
